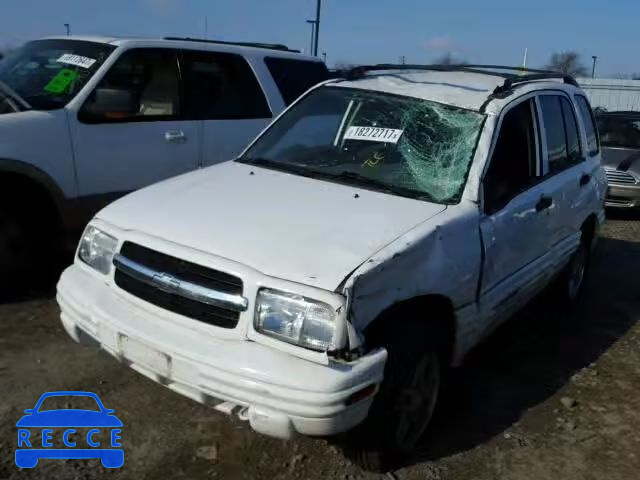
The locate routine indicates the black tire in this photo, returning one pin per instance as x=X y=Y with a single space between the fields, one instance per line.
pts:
x=29 y=248
x=401 y=410
x=570 y=284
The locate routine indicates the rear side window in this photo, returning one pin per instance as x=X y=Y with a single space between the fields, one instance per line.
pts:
x=294 y=77
x=619 y=131
x=563 y=146
x=574 y=151
x=589 y=124
x=221 y=86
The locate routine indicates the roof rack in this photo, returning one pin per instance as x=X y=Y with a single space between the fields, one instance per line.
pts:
x=512 y=75
x=269 y=46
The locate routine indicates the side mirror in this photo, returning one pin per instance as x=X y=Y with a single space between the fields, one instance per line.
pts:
x=109 y=411
x=108 y=103
x=29 y=411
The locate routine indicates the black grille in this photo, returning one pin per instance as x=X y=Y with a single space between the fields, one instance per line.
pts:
x=191 y=272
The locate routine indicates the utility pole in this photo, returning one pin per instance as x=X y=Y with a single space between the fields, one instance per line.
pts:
x=315 y=47
x=206 y=27
x=313 y=34
x=324 y=57
x=403 y=60
x=593 y=69
x=68 y=27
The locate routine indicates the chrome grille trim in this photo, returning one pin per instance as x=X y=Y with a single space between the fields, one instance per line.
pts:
x=617 y=176
x=171 y=284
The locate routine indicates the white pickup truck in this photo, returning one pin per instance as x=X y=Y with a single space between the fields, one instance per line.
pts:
x=84 y=120
x=380 y=228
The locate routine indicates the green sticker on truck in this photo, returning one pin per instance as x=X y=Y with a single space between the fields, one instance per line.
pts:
x=62 y=81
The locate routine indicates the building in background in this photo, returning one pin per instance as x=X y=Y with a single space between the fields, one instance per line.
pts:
x=612 y=94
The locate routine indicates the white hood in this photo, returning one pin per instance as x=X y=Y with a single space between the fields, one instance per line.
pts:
x=287 y=226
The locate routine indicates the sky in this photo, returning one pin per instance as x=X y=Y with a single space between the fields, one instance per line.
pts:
x=361 y=31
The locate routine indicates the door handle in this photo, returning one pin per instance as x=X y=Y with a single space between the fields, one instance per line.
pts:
x=585 y=179
x=175 y=136
x=544 y=203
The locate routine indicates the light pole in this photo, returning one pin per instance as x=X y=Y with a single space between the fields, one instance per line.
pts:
x=68 y=27
x=313 y=34
x=317 y=23
x=593 y=69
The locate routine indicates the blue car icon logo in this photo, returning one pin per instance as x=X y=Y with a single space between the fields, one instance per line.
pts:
x=102 y=437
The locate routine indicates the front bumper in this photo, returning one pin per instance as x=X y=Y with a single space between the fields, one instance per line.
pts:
x=278 y=393
x=623 y=196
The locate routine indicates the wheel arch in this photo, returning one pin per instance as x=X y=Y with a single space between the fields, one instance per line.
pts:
x=18 y=177
x=431 y=310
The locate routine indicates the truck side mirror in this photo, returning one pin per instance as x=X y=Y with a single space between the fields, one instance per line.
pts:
x=109 y=103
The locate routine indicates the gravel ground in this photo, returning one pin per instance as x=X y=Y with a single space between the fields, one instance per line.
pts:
x=547 y=397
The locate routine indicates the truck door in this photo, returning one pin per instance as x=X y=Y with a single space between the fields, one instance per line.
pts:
x=131 y=131
x=518 y=211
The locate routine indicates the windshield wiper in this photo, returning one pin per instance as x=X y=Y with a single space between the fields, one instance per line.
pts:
x=346 y=177
x=363 y=181
x=7 y=90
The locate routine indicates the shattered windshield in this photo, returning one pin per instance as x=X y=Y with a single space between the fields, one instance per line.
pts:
x=401 y=145
x=47 y=74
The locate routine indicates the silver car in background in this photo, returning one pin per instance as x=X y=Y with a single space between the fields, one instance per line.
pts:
x=620 y=139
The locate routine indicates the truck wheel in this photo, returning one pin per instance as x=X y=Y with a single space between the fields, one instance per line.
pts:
x=28 y=248
x=13 y=250
x=403 y=407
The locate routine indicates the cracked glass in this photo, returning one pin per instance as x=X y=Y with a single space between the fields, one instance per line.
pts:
x=396 y=144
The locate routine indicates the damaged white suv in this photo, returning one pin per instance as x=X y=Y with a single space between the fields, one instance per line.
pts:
x=375 y=232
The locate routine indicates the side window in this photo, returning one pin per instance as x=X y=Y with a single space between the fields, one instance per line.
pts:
x=587 y=118
x=513 y=165
x=221 y=86
x=574 y=151
x=553 y=119
x=294 y=77
x=142 y=85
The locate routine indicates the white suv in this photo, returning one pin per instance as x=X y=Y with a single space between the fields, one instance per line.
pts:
x=370 y=237
x=84 y=120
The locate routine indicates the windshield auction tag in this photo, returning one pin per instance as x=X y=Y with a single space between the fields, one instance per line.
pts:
x=61 y=82
x=373 y=134
x=76 y=60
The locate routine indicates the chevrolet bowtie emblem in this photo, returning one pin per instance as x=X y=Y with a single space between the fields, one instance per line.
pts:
x=166 y=283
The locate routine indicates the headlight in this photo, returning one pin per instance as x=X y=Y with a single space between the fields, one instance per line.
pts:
x=97 y=249
x=295 y=319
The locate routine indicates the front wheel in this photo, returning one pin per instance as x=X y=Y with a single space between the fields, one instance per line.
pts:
x=30 y=246
x=15 y=257
x=403 y=408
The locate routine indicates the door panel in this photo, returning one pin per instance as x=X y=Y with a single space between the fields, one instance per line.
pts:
x=569 y=174
x=130 y=132
x=222 y=91
x=519 y=209
x=226 y=139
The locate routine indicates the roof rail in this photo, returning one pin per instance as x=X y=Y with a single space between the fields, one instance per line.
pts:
x=268 y=46
x=517 y=76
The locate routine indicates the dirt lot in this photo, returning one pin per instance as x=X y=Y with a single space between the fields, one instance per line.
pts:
x=546 y=398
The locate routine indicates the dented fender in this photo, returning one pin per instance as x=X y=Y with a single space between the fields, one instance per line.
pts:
x=441 y=256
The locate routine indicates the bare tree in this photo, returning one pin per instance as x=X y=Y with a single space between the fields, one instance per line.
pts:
x=568 y=63
x=448 y=59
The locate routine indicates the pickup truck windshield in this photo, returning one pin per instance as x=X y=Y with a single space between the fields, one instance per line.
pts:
x=400 y=145
x=47 y=74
